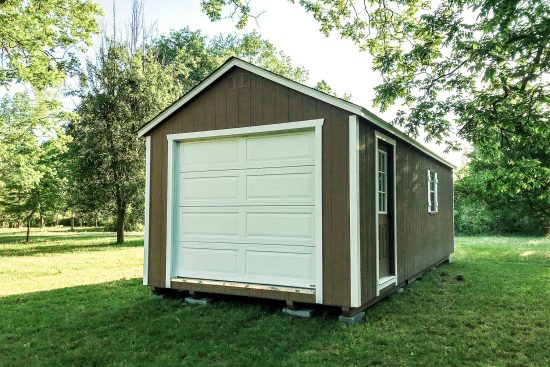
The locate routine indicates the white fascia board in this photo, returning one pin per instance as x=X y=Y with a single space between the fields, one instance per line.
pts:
x=345 y=105
x=170 y=236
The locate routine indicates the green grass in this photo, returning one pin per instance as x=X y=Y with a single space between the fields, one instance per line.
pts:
x=498 y=316
x=60 y=258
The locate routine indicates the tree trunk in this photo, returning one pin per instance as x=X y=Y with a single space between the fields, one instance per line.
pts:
x=41 y=221
x=72 y=220
x=28 y=230
x=121 y=216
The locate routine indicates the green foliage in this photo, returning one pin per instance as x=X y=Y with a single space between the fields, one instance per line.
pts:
x=324 y=87
x=194 y=56
x=483 y=206
x=122 y=91
x=30 y=181
x=38 y=39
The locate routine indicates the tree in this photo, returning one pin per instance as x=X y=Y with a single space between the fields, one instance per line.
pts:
x=194 y=56
x=38 y=39
x=324 y=87
x=122 y=90
x=490 y=199
x=469 y=69
x=29 y=155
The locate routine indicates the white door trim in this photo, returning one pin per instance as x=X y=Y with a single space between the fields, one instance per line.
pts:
x=317 y=125
x=388 y=280
x=147 y=210
x=170 y=235
x=295 y=125
x=354 y=212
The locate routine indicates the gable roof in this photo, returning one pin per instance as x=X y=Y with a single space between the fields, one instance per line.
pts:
x=335 y=101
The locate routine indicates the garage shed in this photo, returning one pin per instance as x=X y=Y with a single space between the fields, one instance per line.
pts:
x=260 y=186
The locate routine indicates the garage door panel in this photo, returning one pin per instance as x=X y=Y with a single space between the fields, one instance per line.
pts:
x=203 y=189
x=211 y=224
x=281 y=225
x=296 y=148
x=297 y=187
x=203 y=261
x=288 y=267
x=211 y=154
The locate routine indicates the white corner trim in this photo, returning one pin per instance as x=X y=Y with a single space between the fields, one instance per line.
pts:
x=319 y=211
x=296 y=125
x=147 y=210
x=170 y=212
x=343 y=104
x=354 y=213
x=316 y=124
x=385 y=281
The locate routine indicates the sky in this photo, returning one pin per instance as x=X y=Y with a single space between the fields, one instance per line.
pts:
x=291 y=30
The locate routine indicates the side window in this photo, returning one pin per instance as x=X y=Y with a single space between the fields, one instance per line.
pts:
x=382 y=182
x=432 y=191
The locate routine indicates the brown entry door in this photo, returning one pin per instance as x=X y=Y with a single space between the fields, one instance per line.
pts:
x=385 y=206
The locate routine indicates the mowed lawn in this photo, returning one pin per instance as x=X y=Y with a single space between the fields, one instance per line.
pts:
x=76 y=299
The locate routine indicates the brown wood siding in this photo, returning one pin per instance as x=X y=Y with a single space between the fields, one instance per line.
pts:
x=241 y=99
x=423 y=239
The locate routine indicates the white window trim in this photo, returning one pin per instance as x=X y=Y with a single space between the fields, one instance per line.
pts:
x=354 y=212
x=392 y=279
x=147 y=210
x=317 y=125
x=436 y=189
x=385 y=154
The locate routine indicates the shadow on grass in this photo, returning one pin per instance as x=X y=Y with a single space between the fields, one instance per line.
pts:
x=119 y=323
x=76 y=244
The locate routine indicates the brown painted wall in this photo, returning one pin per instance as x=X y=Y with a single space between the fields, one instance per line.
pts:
x=423 y=239
x=241 y=99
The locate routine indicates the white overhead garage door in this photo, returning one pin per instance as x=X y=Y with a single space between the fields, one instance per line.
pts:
x=246 y=209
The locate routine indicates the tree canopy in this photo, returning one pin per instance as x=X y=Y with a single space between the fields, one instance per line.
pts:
x=31 y=145
x=39 y=39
